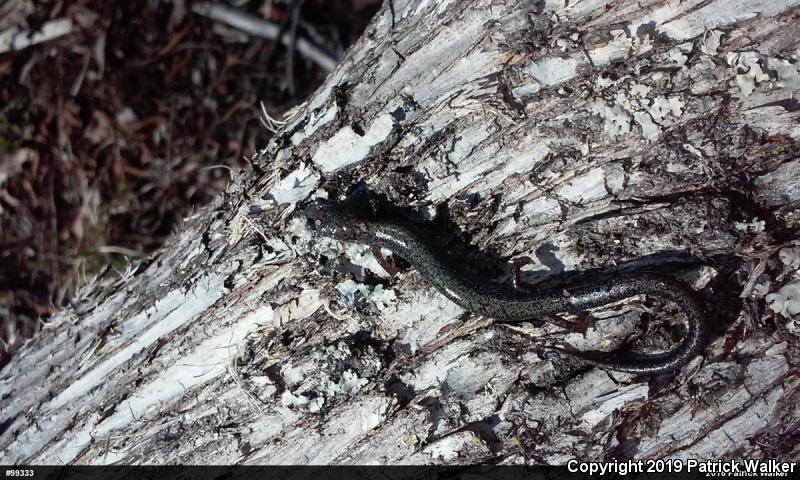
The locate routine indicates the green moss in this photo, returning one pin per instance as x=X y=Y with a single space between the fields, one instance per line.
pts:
x=475 y=441
x=777 y=149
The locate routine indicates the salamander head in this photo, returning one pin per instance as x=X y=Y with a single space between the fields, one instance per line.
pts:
x=334 y=221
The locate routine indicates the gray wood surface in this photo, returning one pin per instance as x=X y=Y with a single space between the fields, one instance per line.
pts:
x=582 y=133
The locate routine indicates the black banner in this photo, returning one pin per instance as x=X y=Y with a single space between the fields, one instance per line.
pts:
x=575 y=471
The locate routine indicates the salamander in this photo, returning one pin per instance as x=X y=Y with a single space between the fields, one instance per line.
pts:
x=505 y=304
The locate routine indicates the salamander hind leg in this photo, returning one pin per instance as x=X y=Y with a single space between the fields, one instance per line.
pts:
x=516 y=277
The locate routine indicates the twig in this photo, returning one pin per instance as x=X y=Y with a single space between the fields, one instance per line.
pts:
x=262 y=28
x=466 y=328
x=293 y=4
x=294 y=17
x=78 y=83
x=258 y=230
x=120 y=250
x=270 y=123
x=761 y=266
x=14 y=39
x=326 y=304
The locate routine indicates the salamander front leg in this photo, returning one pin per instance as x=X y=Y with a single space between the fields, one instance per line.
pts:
x=384 y=262
x=516 y=277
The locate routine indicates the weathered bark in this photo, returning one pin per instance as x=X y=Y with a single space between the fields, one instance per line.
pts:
x=589 y=134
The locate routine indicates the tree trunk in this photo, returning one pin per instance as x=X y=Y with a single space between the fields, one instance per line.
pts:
x=652 y=133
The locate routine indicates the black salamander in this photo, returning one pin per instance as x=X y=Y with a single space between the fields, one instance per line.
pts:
x=509 y=305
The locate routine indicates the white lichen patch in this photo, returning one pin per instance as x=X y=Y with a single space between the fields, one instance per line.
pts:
x=705 y=75
x=788 y=73
x=677 y=57
x=505 y=226
x=790 y=256
x=289 y=400
x=786 y=301
x=639 y=89
x=676 y=167
x=294 y=375
x=650 y=129
x=310 y=386
x=383 y=299
x=605 y=81
x=315 y=121
x=710 y=42
x=665 y=107
x=348 y=290
x=296 y=186
x=748 y=69
x=348 y=383
x=347 y=147
x=760 y=290
x=340 y=351
x=650 y=114
x=693 y=150
x=616 y=120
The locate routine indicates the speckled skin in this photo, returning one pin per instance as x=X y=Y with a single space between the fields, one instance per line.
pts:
x=509 y=305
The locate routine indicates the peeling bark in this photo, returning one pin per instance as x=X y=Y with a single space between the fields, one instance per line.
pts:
x=653 y=134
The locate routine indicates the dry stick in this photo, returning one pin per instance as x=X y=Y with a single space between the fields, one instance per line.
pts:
x=293 y=4
x=294 y=17
x=262 y=28
x=270 y=123
x=15 y=39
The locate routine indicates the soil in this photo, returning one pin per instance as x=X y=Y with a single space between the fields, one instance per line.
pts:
x=112 y=134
